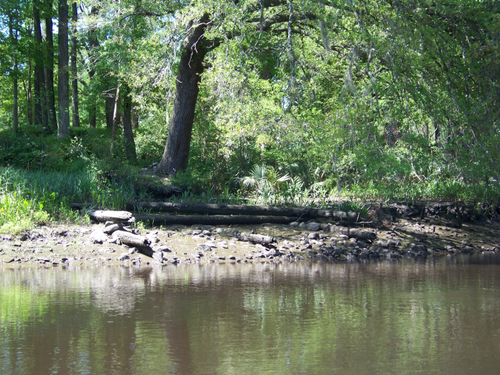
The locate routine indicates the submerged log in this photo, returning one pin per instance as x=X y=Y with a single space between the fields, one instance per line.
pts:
x=116 y=216
x=213 y=219
x=223 y=209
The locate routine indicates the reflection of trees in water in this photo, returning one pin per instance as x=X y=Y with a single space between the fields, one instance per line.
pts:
x=232 y=316
x=116 y=289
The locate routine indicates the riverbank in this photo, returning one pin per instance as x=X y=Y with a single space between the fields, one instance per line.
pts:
x=71 y=245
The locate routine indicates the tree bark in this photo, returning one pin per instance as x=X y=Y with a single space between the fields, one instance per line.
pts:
x=110 y=105
x=40 y=117
x=15 y=89
x=93 y=44
x=128 y=134
x=29 y=101
x=63 y=128
x=48 y=69
x=74 y=68
x=115 y=117
x=135 y=118
x=193 y=50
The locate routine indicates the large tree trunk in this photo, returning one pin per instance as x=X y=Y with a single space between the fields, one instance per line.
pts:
x=40 y=117
x=110 y=105
x=29 y=96
x=128 y=134
x=135 y=118
x=193 y=51
x=93 y=44
x=15 y=112
x=63 y=129
x=116 y=117
x=74 y=69
x=49 y=71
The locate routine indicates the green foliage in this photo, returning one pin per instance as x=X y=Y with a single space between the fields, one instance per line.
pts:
x=369 y=99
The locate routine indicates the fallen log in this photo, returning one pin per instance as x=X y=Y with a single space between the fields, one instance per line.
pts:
x=361 y=234
x=134 y=240
x=116 y=216
x=223 y=209
x=213 y=219
x=256 y=238
x=353 y=232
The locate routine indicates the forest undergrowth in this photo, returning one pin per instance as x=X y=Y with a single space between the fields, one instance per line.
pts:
x=40 y=178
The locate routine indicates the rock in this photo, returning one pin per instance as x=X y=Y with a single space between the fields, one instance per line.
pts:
x=419 y=248
x=98 y=236
x=205 y=247
x=163 y=249
x=158 y=256
x=313 y=236
x=362 y=244
x=313 y=226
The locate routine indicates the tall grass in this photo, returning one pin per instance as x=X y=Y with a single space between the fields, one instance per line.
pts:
x=28 y=199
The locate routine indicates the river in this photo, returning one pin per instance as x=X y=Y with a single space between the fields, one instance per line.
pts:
x=414 y=316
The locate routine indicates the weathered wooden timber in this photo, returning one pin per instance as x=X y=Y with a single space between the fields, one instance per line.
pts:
x=223 y=209
x=134 y=240
x=256 y=238
x=116 y=216
x=353 y=232
x=165 y=219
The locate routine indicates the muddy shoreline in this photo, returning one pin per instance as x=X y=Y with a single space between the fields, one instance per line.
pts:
x=71 y=245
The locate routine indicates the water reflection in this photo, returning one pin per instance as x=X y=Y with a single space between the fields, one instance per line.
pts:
x=434 y=316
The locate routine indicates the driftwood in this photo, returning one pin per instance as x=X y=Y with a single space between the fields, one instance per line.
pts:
x=134 y=240
x=112 y=227
x=256 y=238
x=213 y=219
x=353 y=232
x=116 y=216
x=361 y=234
x=223 y=209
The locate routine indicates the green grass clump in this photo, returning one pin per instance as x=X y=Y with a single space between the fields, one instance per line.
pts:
x=18 y=214
x=29 y=199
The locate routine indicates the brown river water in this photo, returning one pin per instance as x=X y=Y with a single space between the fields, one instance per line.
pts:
x=439 y=315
